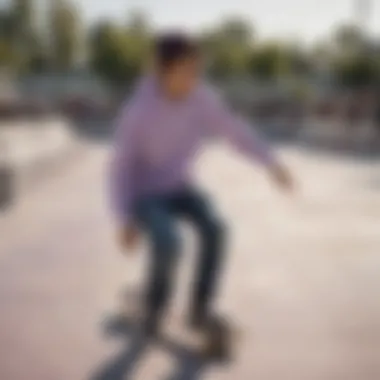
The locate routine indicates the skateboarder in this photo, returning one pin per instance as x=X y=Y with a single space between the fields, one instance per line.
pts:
x=160 y=130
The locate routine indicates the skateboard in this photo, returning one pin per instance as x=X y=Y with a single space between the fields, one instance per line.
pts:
x=216 y=342
x=213 y=342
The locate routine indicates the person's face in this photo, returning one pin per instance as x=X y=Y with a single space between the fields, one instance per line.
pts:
x=181 y=78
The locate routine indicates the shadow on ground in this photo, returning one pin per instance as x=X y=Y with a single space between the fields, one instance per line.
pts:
x=189 y=364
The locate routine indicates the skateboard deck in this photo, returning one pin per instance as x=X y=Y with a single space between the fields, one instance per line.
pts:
x=214 y=342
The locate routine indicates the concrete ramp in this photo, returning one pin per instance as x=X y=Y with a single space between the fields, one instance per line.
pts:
x=29 y=151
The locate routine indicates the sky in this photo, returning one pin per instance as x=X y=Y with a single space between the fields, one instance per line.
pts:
x=302 y=20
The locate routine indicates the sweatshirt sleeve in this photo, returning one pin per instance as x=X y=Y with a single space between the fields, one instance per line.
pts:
x=220 y=121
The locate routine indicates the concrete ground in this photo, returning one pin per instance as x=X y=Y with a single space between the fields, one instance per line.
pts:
x=301 y=281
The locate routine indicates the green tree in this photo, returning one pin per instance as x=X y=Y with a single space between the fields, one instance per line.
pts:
x=6 y=26
x=118 y=54
x=23 y=18
x=18 y=30
x=224 y=58
x=38 y=58
x=109 y=54
x=297 y=62
x=6 y=54
x=348 y=39
x=64 y=34
x=138 y=24
x=354 y=62
x=137 y=40
x=357 y=71
x=228 y=47
x=269 y=61
x=237 y=30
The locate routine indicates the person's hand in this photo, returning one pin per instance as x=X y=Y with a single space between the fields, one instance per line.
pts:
x=128 y=237
x=282 y=177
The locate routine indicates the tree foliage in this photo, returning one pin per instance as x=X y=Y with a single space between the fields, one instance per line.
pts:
x=119 y=53
x=348 y=39
x=358 y=71
x=64 y=34
x=269 y=61
x=228 y=47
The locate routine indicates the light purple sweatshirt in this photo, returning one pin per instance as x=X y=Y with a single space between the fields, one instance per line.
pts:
x=157 y=138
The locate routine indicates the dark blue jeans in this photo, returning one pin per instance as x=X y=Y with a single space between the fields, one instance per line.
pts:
x=157 y=216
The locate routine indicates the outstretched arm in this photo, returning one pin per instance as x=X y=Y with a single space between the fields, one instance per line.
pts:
x=220 y=121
